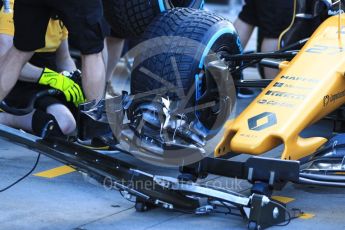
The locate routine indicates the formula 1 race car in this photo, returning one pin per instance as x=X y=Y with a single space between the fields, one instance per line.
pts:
x=183 y=82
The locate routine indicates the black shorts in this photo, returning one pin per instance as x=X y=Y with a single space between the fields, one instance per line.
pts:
x=272 y=17
x=83 y=19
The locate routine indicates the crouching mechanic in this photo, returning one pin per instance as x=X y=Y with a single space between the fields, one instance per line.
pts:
x=38 y=75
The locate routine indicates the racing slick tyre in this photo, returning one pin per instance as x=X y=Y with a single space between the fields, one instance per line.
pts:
x=129 y=18
x=177 y=44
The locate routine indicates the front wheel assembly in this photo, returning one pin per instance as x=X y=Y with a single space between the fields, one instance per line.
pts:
x=179 y=60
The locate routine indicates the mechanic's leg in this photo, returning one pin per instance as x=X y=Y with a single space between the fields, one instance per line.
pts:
x=11 y=65
x=114 y=47
x=244 y=31
x=30 y=21
x=87 y=31
x=18 y=122
x=269 y=45
x=93 y=70
x=63 y=117
x=61 y=113
x=105 y=57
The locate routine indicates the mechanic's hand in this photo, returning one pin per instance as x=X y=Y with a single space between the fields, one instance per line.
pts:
x=71 y=89
x=74 y=75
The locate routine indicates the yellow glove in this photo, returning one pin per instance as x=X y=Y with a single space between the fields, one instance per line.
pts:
x=70 y=89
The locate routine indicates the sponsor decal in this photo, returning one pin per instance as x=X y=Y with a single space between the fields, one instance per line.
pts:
x=323 y=49
x=285 y=95
x=303 y=79
x=325 y=100
x=332 y=98
x=290 y=86
x=335 y=12
x=275 y=103
x=248 y=135
x=269 y=119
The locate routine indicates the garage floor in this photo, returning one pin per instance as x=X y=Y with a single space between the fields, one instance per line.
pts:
x=60 y=199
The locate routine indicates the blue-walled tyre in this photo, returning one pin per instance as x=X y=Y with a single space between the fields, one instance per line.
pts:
x=130 y=18
x=173 y=55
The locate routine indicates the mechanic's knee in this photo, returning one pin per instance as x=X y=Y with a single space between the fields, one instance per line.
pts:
x=5 y=119
x=67 y=126
x=66 y=122
x=63 y=117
